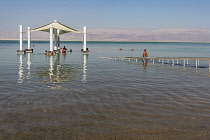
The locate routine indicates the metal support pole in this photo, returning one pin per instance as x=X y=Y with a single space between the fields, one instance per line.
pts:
x=177 y=61
x=55 y=40
x=58 y=42
x=84 y=38
x=196 y=63
x=21 y=37
x=51 y=37
x=187 y=62
x=29 y=38
x=184 y=63
x=209 y=64
x=58 y=39
x=162 y=61
x=153 y=60
x=136 y=60
x=173 y=62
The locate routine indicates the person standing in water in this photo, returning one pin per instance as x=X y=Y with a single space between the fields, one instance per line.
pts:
x=145 y=54
x=144 y=61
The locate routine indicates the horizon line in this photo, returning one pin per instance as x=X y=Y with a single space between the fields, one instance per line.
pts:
x=109 y=41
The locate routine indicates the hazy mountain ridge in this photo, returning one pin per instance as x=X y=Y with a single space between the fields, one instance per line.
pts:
x=171 y=34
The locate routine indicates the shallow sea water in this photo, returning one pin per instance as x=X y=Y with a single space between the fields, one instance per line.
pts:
x=86 y=97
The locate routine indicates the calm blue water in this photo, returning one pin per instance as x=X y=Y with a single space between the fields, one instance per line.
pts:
x=74 y=96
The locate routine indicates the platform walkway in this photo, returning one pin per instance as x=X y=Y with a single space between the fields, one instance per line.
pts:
x=174 y=60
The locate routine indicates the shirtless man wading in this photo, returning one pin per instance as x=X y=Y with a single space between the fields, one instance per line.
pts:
x=145 y=54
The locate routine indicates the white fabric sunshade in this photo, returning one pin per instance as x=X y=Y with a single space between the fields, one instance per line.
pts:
x=56 y=25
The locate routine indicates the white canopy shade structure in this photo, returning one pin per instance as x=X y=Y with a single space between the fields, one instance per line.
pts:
x=55 y=29
x=56 y=26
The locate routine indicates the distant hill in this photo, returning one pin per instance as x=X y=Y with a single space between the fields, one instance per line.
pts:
x=171 y=34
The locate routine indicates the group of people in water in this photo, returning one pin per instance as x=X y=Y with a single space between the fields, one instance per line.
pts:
x=49 y=52
x=130 y=49
x=61 y=50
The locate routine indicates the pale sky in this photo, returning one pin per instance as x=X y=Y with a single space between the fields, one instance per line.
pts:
x=125 y=14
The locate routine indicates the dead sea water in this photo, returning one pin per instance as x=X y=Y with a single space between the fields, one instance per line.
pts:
x=86 y=97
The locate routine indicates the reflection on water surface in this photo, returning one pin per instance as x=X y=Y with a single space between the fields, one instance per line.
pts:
x=54 y=72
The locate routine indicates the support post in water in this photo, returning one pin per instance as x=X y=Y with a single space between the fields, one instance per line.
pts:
x=85 y=49
x=29 y=50
x=55 y=40
x=84 y=41
x=21 y=37
x=209 y=64
x=196 y=63
x=58 y=39
x=21 y=51
x=51 y=37
x=29 y=38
